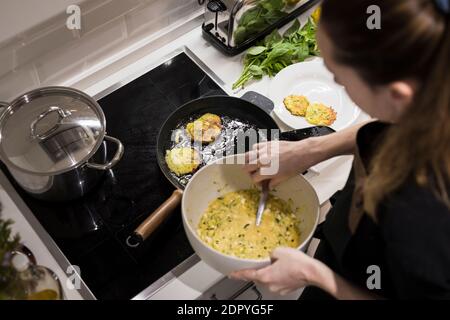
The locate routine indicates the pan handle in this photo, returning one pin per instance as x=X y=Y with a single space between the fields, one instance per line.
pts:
x=301 y=134
x=259 y=100
x=150 y=224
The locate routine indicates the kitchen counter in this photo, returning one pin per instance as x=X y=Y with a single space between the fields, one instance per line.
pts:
x=195 y=280
x=33 y=237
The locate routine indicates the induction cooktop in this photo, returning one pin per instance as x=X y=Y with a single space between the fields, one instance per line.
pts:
x=91 y=231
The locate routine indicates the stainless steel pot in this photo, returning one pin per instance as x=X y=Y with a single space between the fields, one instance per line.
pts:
x=53 y=142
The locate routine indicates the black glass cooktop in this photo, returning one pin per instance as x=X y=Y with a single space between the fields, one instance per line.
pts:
x=91 y=231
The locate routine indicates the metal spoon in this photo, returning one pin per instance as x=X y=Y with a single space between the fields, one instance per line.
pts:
x=262 y=201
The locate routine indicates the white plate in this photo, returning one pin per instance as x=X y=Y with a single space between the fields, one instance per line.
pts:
x=313 y=80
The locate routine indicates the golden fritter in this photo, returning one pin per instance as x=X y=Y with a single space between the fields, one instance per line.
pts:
x=320 y=114
x=183 y=161
x=205 y=129
x=296 y=105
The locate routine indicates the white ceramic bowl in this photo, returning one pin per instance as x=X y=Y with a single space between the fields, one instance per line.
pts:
x=217 y=179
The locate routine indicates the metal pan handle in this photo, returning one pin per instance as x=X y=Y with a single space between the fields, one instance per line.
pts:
x=150 y=224
x=259 y=100
x=301 y=134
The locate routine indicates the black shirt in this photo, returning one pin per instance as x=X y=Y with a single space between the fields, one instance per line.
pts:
x=410 y=243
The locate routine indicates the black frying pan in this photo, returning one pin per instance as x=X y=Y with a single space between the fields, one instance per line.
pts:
x=252 y=111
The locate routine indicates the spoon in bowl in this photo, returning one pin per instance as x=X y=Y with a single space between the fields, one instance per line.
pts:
x=262 y=201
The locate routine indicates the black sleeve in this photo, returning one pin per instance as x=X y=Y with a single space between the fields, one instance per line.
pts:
x=416 y=230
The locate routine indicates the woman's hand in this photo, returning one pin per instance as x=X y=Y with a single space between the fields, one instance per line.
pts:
x=287 y=158
x=296 y=157
x=291 y=270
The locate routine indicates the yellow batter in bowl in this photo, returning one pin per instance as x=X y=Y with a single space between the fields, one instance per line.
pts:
x=228 y=225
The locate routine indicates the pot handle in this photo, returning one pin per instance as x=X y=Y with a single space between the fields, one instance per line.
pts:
x=114 y=160
x=53 y=109
x=150 y=224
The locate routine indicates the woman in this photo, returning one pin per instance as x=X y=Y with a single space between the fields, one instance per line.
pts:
x=394 y=212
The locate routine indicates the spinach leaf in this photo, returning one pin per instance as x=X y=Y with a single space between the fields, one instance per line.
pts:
x=258 y=18
x=254 y=51
x=250 y=15
x=240 y=34
x=272 y=5
x=273 y=16
x=272 y=39
x=292 y=30
x=277 y=52
x=256 y=71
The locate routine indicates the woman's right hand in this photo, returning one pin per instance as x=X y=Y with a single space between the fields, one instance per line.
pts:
x=286 y=158
x=291 y=158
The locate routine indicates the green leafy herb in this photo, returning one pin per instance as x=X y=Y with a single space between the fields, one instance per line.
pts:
x=254 y=51
x=277 y=52
x=258 y=18
x=272 y=39
x=292 y=30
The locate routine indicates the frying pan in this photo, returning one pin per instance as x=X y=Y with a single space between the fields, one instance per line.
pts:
x=250 y=111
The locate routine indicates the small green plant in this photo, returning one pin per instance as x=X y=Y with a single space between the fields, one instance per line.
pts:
x=11 y=287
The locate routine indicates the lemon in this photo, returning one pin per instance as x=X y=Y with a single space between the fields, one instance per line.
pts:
x=316 y=14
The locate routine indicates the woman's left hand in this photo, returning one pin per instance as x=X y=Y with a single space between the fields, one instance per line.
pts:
x=290 y=270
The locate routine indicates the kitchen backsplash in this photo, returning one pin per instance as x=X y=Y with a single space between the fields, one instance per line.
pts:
x=50 y=53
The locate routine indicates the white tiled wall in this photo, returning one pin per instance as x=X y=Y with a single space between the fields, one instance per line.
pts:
x=49 y=53
x=53 y=66
x=18 y=80
x=7 y=58
x=19 y=16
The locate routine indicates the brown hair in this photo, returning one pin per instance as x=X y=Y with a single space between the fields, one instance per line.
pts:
x=413 y=43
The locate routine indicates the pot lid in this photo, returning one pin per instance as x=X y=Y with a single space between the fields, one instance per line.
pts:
x=50 y=130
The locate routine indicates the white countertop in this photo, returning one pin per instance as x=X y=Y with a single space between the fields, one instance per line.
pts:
x=33 y=241
x=192 y=283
